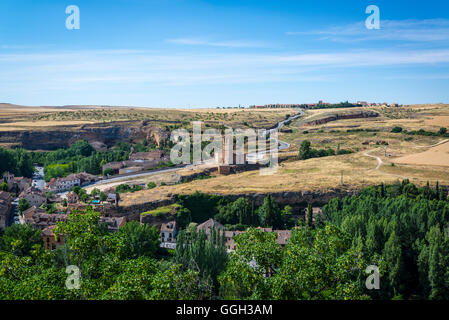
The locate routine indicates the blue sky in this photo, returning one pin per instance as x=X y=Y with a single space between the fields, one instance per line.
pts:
x=171 y=53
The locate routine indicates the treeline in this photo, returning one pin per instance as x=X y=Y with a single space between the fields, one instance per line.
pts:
x=345 y=104
x=306 y=152
x=234 y=215
x=16 y=161
x=404 y=231
x=421 y=132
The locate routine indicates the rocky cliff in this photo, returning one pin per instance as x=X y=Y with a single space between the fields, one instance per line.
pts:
x=362 y=114
x=103 y=133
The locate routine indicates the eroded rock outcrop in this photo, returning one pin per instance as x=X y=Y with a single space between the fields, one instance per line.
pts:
x=101 y=133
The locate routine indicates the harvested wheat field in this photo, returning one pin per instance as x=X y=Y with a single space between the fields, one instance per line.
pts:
x=440 y=121
x=435 y=156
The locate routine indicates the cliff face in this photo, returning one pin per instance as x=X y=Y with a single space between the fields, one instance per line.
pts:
x=362 y=114
x=298 y=200
x=107 y=133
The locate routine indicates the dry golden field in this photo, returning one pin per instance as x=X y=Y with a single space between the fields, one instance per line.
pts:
x=13 y=117
x=370 y=164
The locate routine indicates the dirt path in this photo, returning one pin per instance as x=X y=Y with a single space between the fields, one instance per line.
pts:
x=434 y=145
x=380 y=163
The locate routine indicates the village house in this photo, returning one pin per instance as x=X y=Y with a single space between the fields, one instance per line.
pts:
x=5 y=208
x=113 y=166
x=208 y=225
x=154 y=155
x=72 y=197
x=315 y=211
x=282 y=235
x=63 y=184
x=33 y=196
x=168 y=232
x=17 y=184
x=40 y=219
x=113 y=223
x=47 y=223
x=50 y=239
x=75 y=179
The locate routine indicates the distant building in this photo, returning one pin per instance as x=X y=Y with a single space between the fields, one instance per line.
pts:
x=114 y=166
x=50 y=239
x=113 y=223
x=5 y=208
x=168 y=232
x=17 y=184
x=72 y=197
x=315 y=211
x=154 y=155
x=33 y=196
x=75 y=179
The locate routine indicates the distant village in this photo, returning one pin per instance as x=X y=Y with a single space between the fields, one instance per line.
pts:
x=321 y=103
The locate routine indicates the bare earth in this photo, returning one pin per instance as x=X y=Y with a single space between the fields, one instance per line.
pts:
x=435 y=156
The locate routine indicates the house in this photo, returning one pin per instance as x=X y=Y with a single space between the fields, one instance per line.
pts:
x=208 y=225
x=168 y=232
x=63 y=184
x=40 y=219
x=33 y=196
x=30 y=214
x=18 y=184
x=229 y=239
x=5 y=208
x=72 y=197
x=23 y=183
x=113 y=198
x=113 y=223
x=154 y=155
x=114 y=166
x=75 y=179
x=283 y=236
x=50 y=239
x=315 y=212
x=9 y=179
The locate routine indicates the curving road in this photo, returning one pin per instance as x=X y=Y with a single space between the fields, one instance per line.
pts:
x=253 y=157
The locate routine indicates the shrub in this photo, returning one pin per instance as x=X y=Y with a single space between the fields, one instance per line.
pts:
x=396 y=130
x=151 y=185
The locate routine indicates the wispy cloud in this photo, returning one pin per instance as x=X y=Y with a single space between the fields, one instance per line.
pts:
x=124 y=68
x=229 y=43
x=390 y=30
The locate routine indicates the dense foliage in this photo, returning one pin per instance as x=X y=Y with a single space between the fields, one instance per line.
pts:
x=306 y=152
x=16 y=161
x=400 y=228
x=404 y=230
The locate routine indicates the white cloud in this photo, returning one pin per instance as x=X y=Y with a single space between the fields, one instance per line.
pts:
x=393 y=30
x=230 y=44
x=135 y=67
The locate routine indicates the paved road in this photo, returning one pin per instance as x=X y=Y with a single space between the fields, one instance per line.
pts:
x=282 y=145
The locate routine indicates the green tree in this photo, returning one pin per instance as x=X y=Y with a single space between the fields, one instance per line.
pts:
x=319 y=264
x=151 y=185
x=23 y=205
x=4 y=186
x=304 y=150
x=270 y=214
x=103 y=196
x=139 y=240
